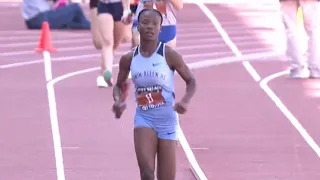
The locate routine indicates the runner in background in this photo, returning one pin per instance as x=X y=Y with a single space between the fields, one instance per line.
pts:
x=128 y=33
x=311 y=15
x=168 y=9
x=133 y=7
x=113 y=18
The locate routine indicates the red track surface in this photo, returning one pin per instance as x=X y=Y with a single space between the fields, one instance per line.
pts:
x=234 y=128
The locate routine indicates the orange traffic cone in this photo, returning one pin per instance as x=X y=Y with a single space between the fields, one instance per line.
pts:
x=45 y=39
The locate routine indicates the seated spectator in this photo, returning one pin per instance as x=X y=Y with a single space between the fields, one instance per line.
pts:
x=71 y=16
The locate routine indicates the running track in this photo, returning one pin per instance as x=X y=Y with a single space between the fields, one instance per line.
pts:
x=246 y=122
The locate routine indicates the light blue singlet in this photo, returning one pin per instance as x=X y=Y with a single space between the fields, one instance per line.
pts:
x=154 y=91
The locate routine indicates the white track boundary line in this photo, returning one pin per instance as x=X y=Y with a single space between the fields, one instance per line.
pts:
x=187 y=25
x=199 y=174
x=212 y=41
x=85 y=38
x=294 y=121
x=228 y=41
x=85 y=57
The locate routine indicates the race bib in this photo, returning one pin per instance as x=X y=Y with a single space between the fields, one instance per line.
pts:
x=150 y=97
x=159 y=5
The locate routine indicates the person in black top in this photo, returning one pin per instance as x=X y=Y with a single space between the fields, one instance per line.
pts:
x=67 y=16
x=110 y=27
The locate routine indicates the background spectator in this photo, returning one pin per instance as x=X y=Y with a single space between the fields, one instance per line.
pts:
x=71 y=16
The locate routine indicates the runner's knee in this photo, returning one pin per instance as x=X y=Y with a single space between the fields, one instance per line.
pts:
x=106 y=41
x=96 y=44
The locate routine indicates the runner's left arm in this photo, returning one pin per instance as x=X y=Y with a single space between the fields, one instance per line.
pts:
x=177 y=63
x=126 y=6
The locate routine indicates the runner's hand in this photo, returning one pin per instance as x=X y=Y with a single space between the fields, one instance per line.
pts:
x=118 y=108
x=180 y=107
x=127 y=17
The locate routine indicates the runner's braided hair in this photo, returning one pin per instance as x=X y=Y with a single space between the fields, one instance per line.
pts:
x=153 y=10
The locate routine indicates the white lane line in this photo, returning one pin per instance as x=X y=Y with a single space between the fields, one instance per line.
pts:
x=212 y=38
x=184 y=143
x=34 y=37
x=256 y=76
x=87 y=57
x=228 y=41
x=197 y=25
x=294 y=121
x=34 y=44
x=47 y=65
x=89 y=39
x=55 y=133
x=205 y=41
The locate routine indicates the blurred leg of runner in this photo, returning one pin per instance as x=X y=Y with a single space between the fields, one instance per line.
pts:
x=294 y=51
x=136 y=8
x=311 y=17
x=96 y=37
x=128 y=35
x=112 y=30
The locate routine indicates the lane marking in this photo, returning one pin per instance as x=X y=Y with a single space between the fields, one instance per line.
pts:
x=36 y=36
x=27 y=35
x=89 y=39
x=55 y=132
x=71 y=35
x=183 y=141
x=185 y=26
x=86 y=57
x=14 y=45
x=294 y=121
x=195 y=148
x=47 y=65
x=214 y=41
x=228 y=41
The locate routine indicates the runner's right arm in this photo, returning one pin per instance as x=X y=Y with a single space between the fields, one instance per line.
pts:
x=124 y=70
x=177 y=4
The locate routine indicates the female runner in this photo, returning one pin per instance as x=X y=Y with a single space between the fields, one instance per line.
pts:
x=96 y=37
x=113 y=21
x=128 y=32
x=152 y=65
x=168 y=9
